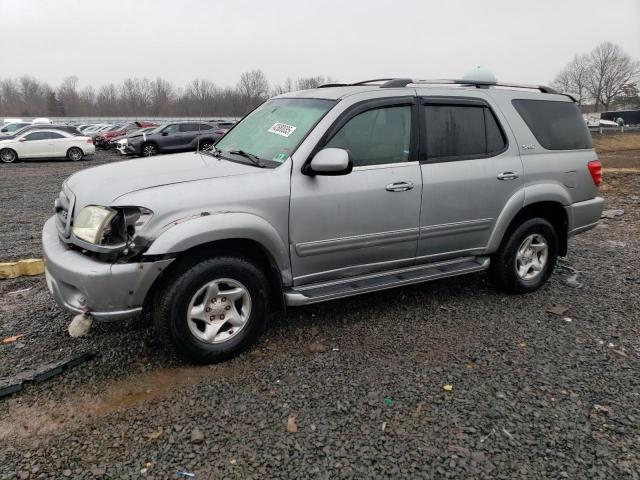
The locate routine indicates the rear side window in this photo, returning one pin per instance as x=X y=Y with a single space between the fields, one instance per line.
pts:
x=457 y=132
x=556 y=125
x=55 y=135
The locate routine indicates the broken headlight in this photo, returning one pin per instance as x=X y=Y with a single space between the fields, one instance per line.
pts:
x=110 y=227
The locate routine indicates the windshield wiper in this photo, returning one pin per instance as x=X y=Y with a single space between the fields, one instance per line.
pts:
x=254 y=158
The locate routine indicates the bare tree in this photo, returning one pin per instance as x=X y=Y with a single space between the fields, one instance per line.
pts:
x=254 y=87
x=611 y=70
x=574 y=78
x=305 y=83
x=68 y=94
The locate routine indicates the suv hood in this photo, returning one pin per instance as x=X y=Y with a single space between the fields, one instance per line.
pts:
x=104 y=184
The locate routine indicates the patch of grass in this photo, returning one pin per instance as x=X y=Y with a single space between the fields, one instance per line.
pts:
x=616 y=142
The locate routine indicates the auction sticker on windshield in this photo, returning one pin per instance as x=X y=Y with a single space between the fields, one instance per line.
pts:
x=282 y=129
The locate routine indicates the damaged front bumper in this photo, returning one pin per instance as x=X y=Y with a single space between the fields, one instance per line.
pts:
x=81 y=284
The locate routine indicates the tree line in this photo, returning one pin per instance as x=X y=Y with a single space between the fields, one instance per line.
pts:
x=136 y=97
x=606 y=77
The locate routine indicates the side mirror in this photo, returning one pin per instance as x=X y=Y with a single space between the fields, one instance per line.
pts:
x=4 y=130
x=164 y=134
x=330 y=161
x=23 y=139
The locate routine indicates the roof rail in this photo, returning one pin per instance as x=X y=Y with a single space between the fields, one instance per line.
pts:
x=403 y=82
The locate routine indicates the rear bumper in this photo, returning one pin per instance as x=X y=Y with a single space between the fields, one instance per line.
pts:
x=583 y=216
x=79 y=283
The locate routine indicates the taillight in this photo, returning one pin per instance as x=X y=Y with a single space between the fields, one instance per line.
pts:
x=595 y=169
x=90 y=140
x=219 y=132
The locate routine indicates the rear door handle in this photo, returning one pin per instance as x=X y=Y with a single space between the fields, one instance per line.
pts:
x=399 y=187
x=508 y=176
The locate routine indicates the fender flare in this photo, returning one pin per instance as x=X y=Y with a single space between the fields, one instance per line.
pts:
x=530 y=194
x=223 y=226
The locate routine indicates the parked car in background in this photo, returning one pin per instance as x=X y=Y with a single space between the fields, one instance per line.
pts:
x=9 y=128
x=11 y=120
x=41 y=120
x=31 y=127
x=45 y=143
x=173 y=137
x=622 y=117
x=102 y=140
x=96 y=128
x=324 y=194
x=120 y=143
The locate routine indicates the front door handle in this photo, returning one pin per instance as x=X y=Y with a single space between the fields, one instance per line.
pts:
x=508 y=176
x=399 y=187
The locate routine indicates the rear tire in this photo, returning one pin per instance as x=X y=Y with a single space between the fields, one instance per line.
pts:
x=149 y=150
x=75 y=154
x=526 y=258
x=8 y=156
x=212 y=310
x=206 y=145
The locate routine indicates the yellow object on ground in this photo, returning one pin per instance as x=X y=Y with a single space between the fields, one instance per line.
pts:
x=27 y=267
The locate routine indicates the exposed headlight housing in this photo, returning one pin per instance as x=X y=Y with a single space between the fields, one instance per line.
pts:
x=91 y=223
x=112 y=228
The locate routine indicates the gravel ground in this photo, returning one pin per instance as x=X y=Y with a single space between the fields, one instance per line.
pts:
x=361 y=380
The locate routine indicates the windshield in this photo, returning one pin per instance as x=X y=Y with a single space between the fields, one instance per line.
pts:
x=275 y=129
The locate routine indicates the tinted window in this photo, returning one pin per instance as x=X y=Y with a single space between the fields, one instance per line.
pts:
x=556 y=125
x=377 y=136
x=204 y=126
x=462 y=131
x=56 y=135
x=188 y=127
x=37 y=136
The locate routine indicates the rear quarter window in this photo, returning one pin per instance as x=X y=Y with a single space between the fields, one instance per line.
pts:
x=556 y=125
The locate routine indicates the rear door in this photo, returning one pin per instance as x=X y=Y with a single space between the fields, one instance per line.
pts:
x=471 y=167
x=59 y=144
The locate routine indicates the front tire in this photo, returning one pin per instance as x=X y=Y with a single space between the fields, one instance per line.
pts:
x=206 y=145
x=149 y=150
x=526 y=258
x=75 y=154
x=212 y=310
x=8 y=156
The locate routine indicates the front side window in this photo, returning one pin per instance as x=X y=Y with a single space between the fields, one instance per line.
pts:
x=37 y=136
x=171 y=129
x=376 y=137
x=461 y=132
x=274 y=130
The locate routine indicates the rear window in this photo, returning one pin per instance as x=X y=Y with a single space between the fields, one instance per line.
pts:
x=556 y=125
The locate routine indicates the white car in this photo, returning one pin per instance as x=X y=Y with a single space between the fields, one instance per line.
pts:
x=41 y=120
x=46 y=144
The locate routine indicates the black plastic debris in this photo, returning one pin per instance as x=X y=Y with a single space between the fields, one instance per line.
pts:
x=15 y=383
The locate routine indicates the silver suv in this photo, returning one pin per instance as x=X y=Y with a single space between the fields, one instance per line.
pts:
x=323 y=194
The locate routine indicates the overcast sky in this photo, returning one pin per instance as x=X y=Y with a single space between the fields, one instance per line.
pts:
x=108 y=41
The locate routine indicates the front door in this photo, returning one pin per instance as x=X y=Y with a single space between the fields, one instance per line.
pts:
x=367 y=220
x=34 y=145
x=470 y=168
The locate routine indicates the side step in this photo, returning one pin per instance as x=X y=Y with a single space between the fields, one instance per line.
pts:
x=320 y=292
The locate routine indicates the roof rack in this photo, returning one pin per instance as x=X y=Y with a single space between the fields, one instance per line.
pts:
x=403 y=82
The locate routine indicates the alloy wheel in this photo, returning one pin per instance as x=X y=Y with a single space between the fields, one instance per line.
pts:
x=219 y=310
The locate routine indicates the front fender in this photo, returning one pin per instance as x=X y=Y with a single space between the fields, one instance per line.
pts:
x=224 y=226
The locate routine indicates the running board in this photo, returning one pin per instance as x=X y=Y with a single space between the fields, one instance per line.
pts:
x=320 y=292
